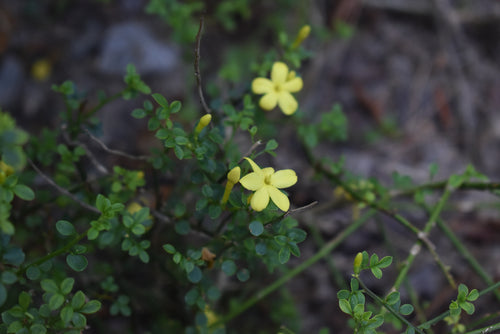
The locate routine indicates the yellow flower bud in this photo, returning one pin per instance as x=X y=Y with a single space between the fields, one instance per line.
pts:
x=358 y=260
x=204 y=121
x=301 y=36
x=234 y=175
x=232 y=178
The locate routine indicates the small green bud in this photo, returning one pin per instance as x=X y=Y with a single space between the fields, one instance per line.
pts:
x=357 y=263
x=301 y=36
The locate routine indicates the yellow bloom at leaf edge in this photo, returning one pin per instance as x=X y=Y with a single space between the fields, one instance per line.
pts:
x=278 y=89
x=266 y=184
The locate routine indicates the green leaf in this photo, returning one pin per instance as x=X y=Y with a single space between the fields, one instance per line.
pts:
x=38 y=329
x=49 y=285
x=377 y=272
x=467 y=307
x=214 y=211
x=15 y=327
x=24 y=192
x=179 y=152
x=33 y=273
x=79 y=320
x=229 y=267
x=195 y=275
x=392 y=298
x=65 y=228
x=92 y=234
x=213 y=293
x=67 y=285
x=160 y=99
x=8 y=277
x=284 y=255
x=66 y=314
x=56 y=301
x=374 y=260
x=182 y=227
x=406 y=309
x=175 y=107
x=463 y=290
x=77 y=262
x=256 y=228
x=385 y=262
x=473 y=295
x=24 y=300
x=243 y=275
x=78 y=300
x=91 y=307
x=345 y=306
x=139 y=113
x=191 y=297
x=271 y=145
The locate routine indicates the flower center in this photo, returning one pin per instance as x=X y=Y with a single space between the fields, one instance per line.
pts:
x=267 y=180
x=278 y=87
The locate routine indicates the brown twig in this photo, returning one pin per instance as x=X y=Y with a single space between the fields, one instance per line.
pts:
x=197 y=68
x=302 y=208
x=62 y=190
x=250 y=150
x=112 y=151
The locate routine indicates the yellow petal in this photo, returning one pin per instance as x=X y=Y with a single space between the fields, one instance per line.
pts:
x=287 y=103
x=280 y=199
x=252 y=181
x=262 y=86
x=293 y=85
x=284 y=178
x=279 y=72
x=254 y=166
x=268 y=171
x=269 y=101
x=260 y=199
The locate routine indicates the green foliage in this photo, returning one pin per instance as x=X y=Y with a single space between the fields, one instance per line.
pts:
x=154 y=233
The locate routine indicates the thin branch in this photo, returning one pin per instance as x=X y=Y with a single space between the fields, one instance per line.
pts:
x=62 y=190
x=112 y=151
x=302 y=208
x=250 y=150
x=197 y=68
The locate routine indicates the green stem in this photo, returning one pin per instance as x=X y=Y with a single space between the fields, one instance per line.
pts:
x=447 y=313
x=53 y=254
x=416 y=248
x=488 y=329
x=83 y=117
x=442 y=184
x=338 y=279
x=324 y=251
x=467 y=255
x=387 y=307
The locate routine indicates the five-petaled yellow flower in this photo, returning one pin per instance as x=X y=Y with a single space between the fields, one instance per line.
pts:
x=266 y=184
x=277 y=91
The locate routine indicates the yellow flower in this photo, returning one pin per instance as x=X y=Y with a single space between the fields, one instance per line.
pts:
x=266 y=184
x=204 y=121
x=232 y=178
x=277 y=90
